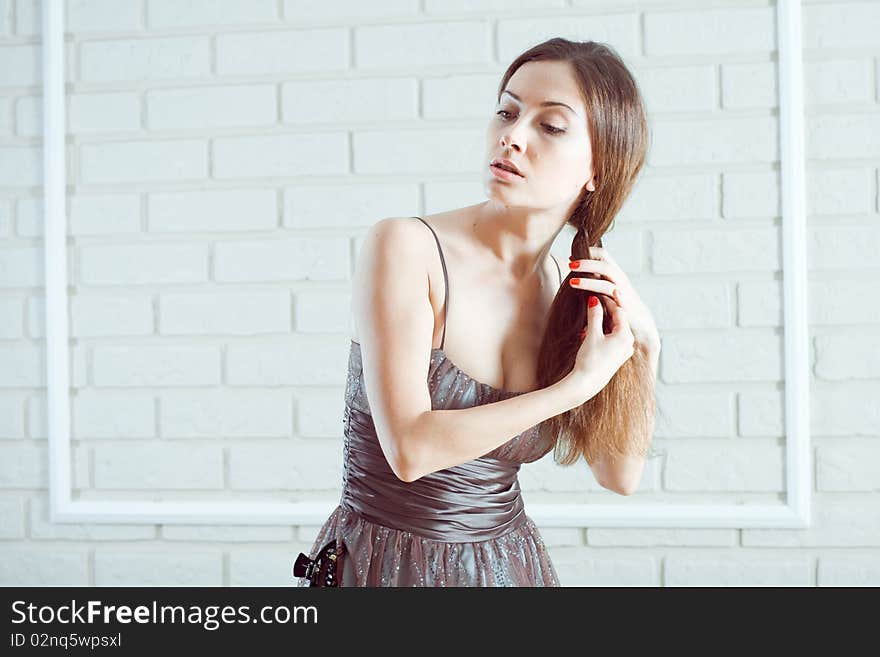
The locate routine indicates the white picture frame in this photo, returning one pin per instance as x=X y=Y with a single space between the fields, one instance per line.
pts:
x=794 y=514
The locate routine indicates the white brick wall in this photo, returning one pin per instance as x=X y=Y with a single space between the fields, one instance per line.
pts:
x=226 y=160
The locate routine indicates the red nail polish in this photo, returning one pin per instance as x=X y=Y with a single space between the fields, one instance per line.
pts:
x=593 y=301
x=574 y=264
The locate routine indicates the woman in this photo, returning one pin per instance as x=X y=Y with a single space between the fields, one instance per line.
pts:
x=430 y=489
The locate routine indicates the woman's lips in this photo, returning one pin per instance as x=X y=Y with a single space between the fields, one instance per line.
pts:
x=504 y=174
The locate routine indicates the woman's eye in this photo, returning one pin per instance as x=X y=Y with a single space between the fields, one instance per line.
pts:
x=553 y=130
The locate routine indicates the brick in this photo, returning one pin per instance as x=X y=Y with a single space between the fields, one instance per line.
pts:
x=153 y=161
x=843 y=136
x=317 y=10
x=840 y=357
x=275 y=53
x=23 y=465
x=416 y=151
x=754 y=249
x=281 y=156
x=158 y=466
x=226 y=533
x=672 y=306
x=672 y=198
x=562 y=536
x=761 y=413
x=198 y=13
x=848 y=25
x=223 y=414
x=693 y=414
x=759 y=303
x=156 y=365
x=143 y=264
x=746 y=86
x=11 y=518
x=320 y=413
x=838 y=82
x=678 y=88
x=298 y=361
x=12 y=312
x=725 y=466
x=21 y=266
x=459 y=96
x=422 y=45
x=303 y=258
x=842 y=301
x=106 y=112
x=515 y=35
x=729 y=356
x=265 y=567
x=349 y=101
x=212 y=210
x=323 y=311
x=22 y=365
x=135 y=60
x=848 y=468
x=342 y=206
x=850 y=410
x=709 y=32
x=204 y=108
x=12 y=415
x=578 y=566
x=225 y=313
x=849 y=569
x=661 y=537
x=738 y=570
x=714 y=141
x=751 y=194
x=840 y=191
x=159 y=567
x=300 y=465
x=21 y=67
x=20 y=166
x=842 y=247
x=30 y=565
x=88 y=16
x=104 y=214
x=5 y=17
x=96 y=315
x=113 y=414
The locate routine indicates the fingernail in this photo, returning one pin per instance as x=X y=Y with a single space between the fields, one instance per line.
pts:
x=574 y=282
x=593 y=301
x=574 y=264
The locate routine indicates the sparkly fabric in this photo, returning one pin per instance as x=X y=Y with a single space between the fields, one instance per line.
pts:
x=461 y=526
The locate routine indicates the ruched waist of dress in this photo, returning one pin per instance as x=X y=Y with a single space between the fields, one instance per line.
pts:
x=474 y=501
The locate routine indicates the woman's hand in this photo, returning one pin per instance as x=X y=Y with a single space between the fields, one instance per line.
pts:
x=601 y=354
x=607 y=278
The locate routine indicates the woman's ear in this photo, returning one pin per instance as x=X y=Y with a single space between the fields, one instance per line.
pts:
x=591 y=186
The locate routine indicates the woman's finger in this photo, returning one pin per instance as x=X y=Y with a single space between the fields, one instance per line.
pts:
x=619 y=318
x=594 y=317
x=592 y=285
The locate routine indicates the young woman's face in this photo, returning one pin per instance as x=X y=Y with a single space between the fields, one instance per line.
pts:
x=549 y=144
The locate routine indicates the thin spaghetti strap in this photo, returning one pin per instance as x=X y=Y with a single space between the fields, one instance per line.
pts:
x=557 y=268
x=445 y=281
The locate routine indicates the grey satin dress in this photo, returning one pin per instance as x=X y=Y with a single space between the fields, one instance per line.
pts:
x=461 y=526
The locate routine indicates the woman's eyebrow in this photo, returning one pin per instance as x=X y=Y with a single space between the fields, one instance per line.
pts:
x=546 y=103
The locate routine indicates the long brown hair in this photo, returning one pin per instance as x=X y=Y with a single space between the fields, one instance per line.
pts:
x=618 y=420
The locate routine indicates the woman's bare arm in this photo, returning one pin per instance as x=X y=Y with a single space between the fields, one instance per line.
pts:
x=440 y=439
x=395 y=318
